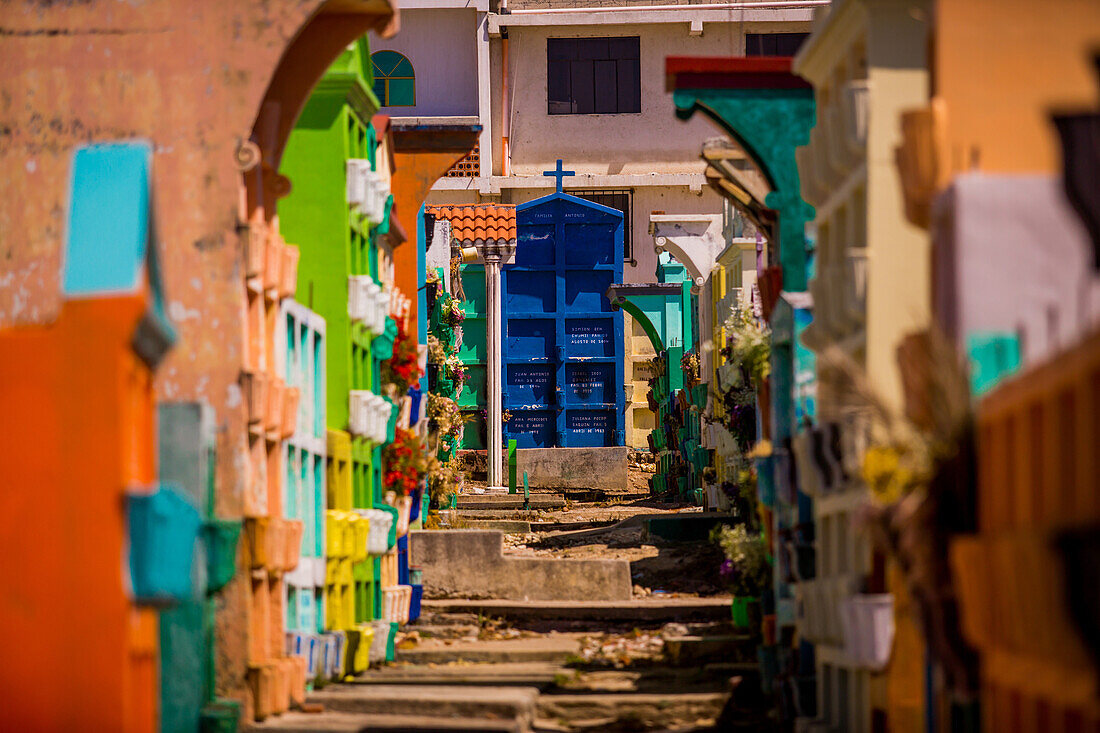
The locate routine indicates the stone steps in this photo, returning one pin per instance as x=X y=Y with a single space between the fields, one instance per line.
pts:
x=551 y=648
x=542 y=675
x=611 y=711
x=515 y=706
x=696 y=650
x=508 y=502
x=337 y=722
x=643 y=610
x=468 y=562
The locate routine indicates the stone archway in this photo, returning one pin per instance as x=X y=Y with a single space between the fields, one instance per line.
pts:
x=194 y=80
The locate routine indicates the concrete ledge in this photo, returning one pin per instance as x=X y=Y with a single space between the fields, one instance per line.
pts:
x=511 y=526
x=333 y=722
x=471 y=564
x=651 y=609
x=574 y=468
x=513 y=502
x=685 y=526
x=437 y=701
x=555 y=649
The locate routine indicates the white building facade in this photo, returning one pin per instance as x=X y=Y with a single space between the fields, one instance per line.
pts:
x=583 y=81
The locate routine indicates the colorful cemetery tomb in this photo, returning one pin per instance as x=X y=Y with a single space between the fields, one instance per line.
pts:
x=472 y=395
x=770 y=111
x=466 y=320
x=304 y=467
x=342 y=279
x=87 y=488
x=187 y=462
x=657 y=308
x=273 y=542
x=563 y=343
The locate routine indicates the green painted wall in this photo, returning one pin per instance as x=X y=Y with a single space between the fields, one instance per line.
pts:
x=336 y=242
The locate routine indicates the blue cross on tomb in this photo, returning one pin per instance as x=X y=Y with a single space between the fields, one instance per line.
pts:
x=559 y=174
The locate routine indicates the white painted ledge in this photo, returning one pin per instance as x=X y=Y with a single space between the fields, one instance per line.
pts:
x=625 y=16
x=480 y=5
x=695 y=240
x=494 y=184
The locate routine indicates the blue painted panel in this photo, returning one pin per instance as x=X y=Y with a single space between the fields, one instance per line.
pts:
x=585 y=290
x=588 y=337
x=535 y=246
x=530 y=292
x=530 y=384
x=563 y=346
x=530 y=338
x=590 y=384
x=590 y=244
x=532 y=428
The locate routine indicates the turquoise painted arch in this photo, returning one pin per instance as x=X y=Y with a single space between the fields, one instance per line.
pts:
x=769 y=124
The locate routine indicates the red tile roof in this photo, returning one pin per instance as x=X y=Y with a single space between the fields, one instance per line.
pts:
x=471 y=222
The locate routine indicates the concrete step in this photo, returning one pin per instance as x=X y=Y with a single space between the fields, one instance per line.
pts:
x=442 y=629
x=695 y=650
x=648 y=610
x=570 y=526
x=555 y=648
x=616 y=711
x=504 y=502
x=511 y=526
x=461 y=563
x=684 y=526
x=441 y=702
x=502 y=674
x=334 y=722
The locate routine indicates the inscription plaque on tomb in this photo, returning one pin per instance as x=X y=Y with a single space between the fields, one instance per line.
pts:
x=530 y=384
x=590 y=427
x=590 y=337
x=532 y=428
x=590 y=384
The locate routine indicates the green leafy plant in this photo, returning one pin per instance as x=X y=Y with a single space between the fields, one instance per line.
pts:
x=748 y=345
x=746 y=568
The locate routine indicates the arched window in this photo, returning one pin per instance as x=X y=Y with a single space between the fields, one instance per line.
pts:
x=394 y=80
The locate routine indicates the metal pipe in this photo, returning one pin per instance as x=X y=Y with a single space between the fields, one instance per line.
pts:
x=505 y=112
x=493 y=425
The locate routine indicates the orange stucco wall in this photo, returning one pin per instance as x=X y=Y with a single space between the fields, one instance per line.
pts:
x=414 y=176
x=74 y=441
x=1002 y=66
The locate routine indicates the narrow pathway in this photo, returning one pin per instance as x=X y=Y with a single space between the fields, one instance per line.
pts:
x=668 y=659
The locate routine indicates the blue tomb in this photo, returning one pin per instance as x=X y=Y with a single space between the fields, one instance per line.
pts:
x=562 y=344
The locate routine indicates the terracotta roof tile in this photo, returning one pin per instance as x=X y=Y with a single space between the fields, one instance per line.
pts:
x=471 y=222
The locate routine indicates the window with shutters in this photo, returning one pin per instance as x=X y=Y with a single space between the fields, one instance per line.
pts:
x=591 y=76
x=394 y=79
x=773 y=44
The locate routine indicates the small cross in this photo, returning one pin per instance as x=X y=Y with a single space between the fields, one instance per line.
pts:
x=559 y=174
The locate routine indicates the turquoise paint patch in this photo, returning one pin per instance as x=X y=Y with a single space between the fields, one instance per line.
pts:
x=109 y=218
x=993 y=358
x=163 y=529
